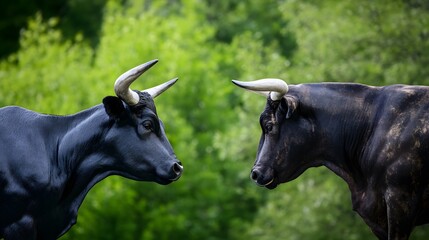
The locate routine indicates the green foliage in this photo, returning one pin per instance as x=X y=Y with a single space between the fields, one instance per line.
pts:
x=46 y=74
x=74 y=16
x=372 y=42
x=261 y=19
x=213 y=126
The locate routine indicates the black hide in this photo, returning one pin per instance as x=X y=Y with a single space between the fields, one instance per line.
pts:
x=375 y=138
x=49 y=163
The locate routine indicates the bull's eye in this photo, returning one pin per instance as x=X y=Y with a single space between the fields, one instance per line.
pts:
x=269 y=127
x=148 y=125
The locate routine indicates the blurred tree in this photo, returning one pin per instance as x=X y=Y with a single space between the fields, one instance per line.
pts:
x=74 y=16
x=27 y=78
x=261 y=19
x=374 y=42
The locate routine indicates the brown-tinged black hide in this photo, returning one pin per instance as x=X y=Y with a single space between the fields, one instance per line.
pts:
x=375 y=138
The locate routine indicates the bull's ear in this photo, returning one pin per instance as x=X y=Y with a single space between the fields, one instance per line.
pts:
x=292 y=105
x=114 y=107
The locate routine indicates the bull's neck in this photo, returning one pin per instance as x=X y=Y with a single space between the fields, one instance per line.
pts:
x=80 y=156
x=344 y=119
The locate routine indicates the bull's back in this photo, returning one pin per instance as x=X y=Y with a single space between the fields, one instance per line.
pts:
x=19 y=137
x=24 y=163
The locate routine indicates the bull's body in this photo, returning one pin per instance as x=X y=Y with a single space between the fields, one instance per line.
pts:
x=42 y=180
x=375 y=138
x=49 y=163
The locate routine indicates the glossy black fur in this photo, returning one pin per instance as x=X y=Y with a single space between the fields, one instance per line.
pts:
x=49 y=163
x=375 y=138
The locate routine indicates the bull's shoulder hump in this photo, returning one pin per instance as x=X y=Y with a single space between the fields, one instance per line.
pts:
x=15 y=119
x=415 y=96
x=406 y=89
x=16 y=111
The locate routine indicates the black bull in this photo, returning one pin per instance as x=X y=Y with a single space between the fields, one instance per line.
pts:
x=49 y=163
x=375 y=138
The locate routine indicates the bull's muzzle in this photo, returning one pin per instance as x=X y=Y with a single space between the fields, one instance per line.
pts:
x=262 y=176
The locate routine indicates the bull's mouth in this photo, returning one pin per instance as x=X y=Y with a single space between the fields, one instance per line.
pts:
x=268 y=183
x=271 y=184
x=176 y=178
x=277 y=179
x=264 y=177
x=164 y=181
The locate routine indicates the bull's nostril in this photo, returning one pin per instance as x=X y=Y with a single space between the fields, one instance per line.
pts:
x=177 y=168
x=254 y=175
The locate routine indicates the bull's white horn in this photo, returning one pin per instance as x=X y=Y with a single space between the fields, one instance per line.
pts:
x=156 y=91
x=276 y=87
x=122 y=84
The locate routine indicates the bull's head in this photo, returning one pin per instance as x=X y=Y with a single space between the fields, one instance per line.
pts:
x=287 y=136
x=137 y=138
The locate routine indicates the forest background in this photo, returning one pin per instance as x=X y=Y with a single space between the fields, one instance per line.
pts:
x=60 y=57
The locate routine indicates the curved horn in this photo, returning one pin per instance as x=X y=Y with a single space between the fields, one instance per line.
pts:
x=122 y=84
x=156 y=91
x=277 y=88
